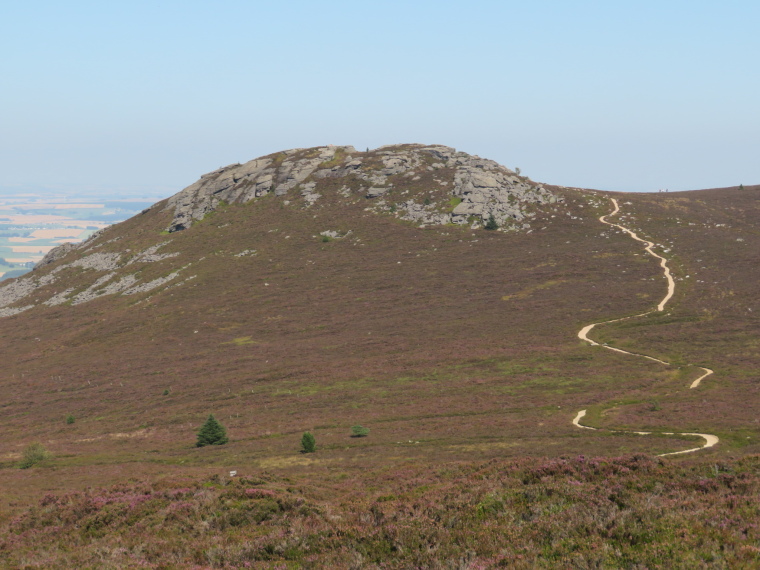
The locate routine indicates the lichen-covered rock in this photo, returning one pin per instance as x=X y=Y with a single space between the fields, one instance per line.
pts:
x=56 y=253
x=243 y=182
x=482 y=188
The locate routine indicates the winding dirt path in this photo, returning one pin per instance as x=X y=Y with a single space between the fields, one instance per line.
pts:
x=710 y=440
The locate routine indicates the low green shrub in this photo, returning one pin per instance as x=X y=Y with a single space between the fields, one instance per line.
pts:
x=33 y=454
x=359 y=431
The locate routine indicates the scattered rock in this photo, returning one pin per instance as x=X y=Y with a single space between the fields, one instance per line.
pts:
x=333 y=234
x=246 y=252
x=307 y=191
x=110 y=283
x=152 y=284
x=150 y=255
x=376 y=191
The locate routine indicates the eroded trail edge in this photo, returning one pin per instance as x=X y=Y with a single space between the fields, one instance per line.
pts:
x=710 y=440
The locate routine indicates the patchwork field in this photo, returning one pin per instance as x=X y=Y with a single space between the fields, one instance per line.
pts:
x=42 y=222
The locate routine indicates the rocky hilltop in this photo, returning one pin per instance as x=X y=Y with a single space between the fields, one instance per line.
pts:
x=470 y=189
x=424 y=185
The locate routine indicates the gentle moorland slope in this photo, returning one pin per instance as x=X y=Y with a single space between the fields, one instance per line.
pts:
x=383 y=301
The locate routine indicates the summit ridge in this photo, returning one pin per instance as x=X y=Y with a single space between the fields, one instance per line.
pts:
x=471 y=189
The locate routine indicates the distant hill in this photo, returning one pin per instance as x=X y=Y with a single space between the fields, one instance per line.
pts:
x=431 y=296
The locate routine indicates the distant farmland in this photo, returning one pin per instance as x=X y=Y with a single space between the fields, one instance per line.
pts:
x=31 y=225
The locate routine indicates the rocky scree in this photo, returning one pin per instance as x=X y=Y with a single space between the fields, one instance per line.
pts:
x=105 y=274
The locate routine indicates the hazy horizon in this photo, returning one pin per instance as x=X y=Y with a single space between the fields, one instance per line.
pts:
x=143 y=98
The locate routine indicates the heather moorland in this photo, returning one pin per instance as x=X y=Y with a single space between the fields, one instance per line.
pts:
x=452 y=337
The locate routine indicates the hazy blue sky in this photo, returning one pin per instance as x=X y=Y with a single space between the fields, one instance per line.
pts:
x=147 y=96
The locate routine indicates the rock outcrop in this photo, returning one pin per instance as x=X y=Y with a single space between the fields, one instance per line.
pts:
x=476 y=189
x=426 y=185
x=56 y=253
x=109 y=274
x=243 y=182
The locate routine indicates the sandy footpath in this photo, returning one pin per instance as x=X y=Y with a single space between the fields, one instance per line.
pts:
x=710 y=440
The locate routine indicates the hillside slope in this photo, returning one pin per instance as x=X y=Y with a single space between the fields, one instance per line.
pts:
x=299 y=292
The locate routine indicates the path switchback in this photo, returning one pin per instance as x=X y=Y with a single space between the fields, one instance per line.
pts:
x=710 y=440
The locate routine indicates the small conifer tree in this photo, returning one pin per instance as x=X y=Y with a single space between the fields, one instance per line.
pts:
x=70 y=419
x=491 y=223
x=211 y=433
x=308 y=443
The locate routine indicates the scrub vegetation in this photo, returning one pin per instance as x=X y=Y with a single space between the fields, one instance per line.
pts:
x=631 y=511
x=458 y=347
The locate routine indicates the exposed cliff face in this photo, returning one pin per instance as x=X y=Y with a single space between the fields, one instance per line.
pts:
x=391 y=178
x=241 y=183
